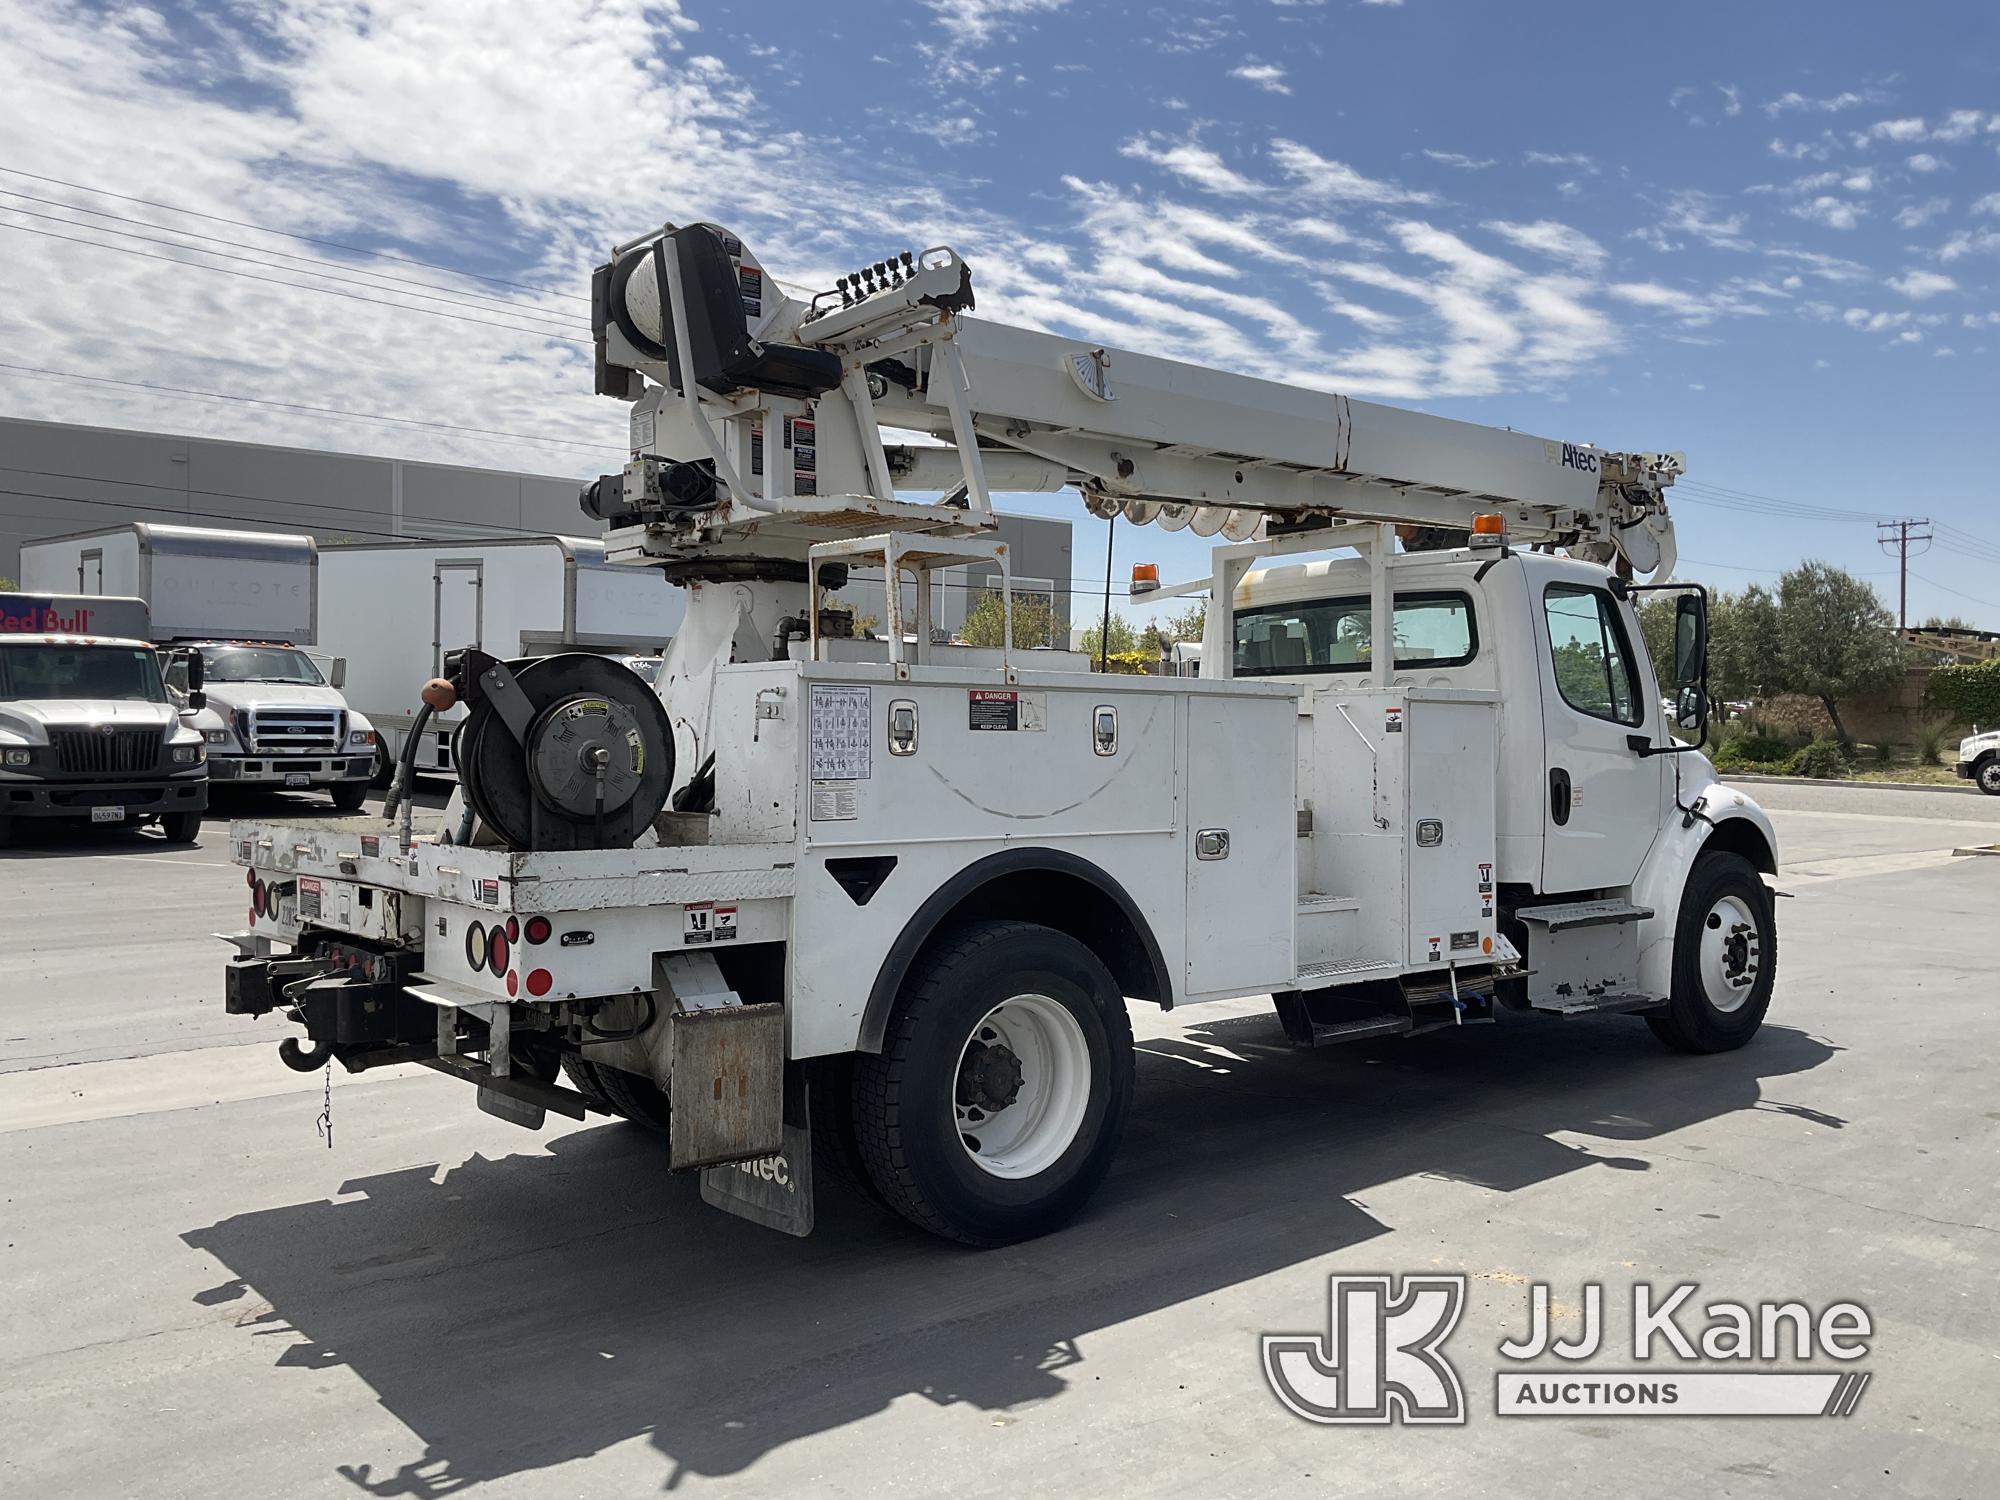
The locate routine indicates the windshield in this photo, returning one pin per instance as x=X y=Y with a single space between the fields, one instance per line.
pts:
x=44 y=672
x=258 y=664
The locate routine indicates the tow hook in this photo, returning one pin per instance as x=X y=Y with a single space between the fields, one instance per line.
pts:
x=304 y=1059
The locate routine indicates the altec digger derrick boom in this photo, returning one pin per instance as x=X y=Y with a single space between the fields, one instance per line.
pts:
x=1156 y=440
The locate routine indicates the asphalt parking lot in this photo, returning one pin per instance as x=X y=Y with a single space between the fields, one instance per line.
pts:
x=203 y=1298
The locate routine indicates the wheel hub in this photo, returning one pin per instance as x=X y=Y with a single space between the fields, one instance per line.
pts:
x=990 y=1077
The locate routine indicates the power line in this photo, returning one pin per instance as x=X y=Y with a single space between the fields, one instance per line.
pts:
x=452 y=294
x=289 y=234
x=191 y=265
x=1969 y=598
x=329 y=411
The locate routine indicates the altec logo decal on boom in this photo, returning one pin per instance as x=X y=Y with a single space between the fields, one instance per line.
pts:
x=1382 y=1358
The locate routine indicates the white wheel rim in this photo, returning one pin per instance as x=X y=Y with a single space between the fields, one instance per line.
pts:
x=1989 y=775
x=1731 y=953
x=1015 y=1127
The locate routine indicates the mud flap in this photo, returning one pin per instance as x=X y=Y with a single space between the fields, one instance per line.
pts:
x=775 y=1191
x=728 y=1071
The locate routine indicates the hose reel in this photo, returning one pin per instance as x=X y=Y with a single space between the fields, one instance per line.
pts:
x=562 y=752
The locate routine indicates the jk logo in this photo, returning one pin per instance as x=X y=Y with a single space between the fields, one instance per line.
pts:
x=1379 y=1360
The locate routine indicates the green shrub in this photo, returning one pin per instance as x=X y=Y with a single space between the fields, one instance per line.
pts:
x=1970 y=694
x=1757 y=744
x=1823 y=760
x=1932 y=737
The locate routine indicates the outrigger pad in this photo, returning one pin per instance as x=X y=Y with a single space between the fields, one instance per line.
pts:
x=727 y=1084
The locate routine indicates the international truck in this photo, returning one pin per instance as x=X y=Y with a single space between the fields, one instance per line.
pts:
x=245 y=603
x=385 y=606
x=88 y=731
x=814 y=904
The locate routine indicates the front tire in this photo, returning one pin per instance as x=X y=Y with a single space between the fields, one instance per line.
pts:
x=348 y=795
x=1986 y=775
x=1725 y=958
x=995 y=1106
x=181 y=827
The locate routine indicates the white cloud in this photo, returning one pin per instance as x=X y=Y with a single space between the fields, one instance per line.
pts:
x=1990 y=204
x=1550 y=238
x=1923 y=161
x=1732 y=98
x=1797 y=103
x=1969 y=242
x=973 y=23
x=1575 y=159
x=1690 y=212
x=1916 y=215
x=1909 y=336
x=1818 y=150
x=1463 y=163
x=1267 y=76
x=1864 y=321
x=1835 y=213
x=1908 y=129
x=1192 y=161
x=1825 y=267
x=1963 y=124
x=1319 y=177
x=1944 y=351
x=1919 y=285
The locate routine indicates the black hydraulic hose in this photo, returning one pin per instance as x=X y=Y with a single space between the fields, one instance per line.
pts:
x=406 y=764
x=652 y=1014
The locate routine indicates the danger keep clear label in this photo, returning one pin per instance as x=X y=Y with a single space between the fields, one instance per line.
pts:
x=1006 y=709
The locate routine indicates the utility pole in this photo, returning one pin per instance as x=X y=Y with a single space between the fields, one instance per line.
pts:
x=1895 y=537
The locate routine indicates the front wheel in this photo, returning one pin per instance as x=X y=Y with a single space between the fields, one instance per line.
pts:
x=349 y=795
x=181 y=827
x=1986 y=776
x=1725 y=958
x=994 y=1109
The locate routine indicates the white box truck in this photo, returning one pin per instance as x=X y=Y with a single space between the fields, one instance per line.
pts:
x=246 y=603
x=391 y=610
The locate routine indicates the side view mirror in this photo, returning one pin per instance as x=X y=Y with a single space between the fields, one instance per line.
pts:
x=336 y=672
x=1691 y=661
x=197 y=700
x=195 y=670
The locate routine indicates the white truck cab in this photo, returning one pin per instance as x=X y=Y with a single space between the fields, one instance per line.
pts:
x=884 y=904
x=274 y=720
x=89 y=733
x=1979 y=760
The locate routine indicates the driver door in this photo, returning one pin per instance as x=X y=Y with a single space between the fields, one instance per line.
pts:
x=1601 y=797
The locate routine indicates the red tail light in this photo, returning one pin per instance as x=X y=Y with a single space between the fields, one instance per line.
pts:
x=539 y=930
x=540 y=981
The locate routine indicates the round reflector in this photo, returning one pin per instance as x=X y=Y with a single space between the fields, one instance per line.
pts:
x=513 y=929
x=513 y=982
x=540 y=981
x=497 y=950
x=538 y=929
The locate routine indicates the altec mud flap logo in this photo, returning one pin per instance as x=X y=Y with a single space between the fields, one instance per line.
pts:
x=1382 y=1358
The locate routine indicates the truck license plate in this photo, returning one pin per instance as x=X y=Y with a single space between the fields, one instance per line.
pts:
x=297 y=778
x=107 y=815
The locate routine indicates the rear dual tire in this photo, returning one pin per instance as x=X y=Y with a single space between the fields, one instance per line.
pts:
x=995 y=1106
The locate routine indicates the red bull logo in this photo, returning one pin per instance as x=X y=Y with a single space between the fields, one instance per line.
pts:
x=29 y=614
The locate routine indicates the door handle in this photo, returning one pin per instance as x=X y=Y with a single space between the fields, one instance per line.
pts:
x=1559 y=796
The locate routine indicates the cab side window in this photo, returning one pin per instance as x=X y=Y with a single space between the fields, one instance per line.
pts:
x=1593 y=659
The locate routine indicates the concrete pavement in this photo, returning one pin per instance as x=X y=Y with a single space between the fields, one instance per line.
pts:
x=206 y=1300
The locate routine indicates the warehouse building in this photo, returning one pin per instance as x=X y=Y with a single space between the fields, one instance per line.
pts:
x=57 y=478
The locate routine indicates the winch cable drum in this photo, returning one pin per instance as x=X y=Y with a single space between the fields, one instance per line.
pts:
x=564 y=752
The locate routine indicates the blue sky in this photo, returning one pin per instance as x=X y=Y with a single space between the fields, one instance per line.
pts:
x=1767 y=235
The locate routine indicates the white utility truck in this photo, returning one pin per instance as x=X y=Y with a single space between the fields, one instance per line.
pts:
x=88 y=730
x=246 y=604
x=890 y=901
x=391 y=610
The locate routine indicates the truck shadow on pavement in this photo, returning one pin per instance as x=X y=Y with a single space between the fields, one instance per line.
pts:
x=527 y=1311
